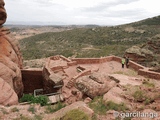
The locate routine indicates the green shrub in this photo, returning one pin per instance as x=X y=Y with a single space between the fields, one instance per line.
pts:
x=98 y=105
x=139 y=95
x=148 y=83
x=4 y=111
x=37 y=117
x=26 y=98
x=54 y=108
x=14 y=109
x=94 y=117
x=114 y=106
x=22 y=118
x=32 y=109
x=75 y=114
x=42 y=100
x=147 y=101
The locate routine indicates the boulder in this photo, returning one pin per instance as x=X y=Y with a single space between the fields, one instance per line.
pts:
x=95 y=84
x=114 y=95
x=10 y=62
x=87 y=100
x=138 y=54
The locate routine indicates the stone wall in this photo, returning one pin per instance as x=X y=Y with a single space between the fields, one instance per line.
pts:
x=140 y=69
x=86 y=60
x=32 y=79
x=137 y=67
x=106 y=59
x=149 y=74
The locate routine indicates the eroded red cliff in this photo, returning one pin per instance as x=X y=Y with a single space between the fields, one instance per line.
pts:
x=10 y=63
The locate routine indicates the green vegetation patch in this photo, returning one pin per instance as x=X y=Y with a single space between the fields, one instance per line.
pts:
x=87 y=42
x=110 y=105
x=98 y=105
x=22 y=117
x=76 y=114
x=15 y=109
x=101 y=107
x=42 y=100
x=55 y=107
x=148 y=83
x=32 y=109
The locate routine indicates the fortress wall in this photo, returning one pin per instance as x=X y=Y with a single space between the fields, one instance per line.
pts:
x=117 y=59
x=135 y=65
x=32 y=79
x=106 y=59
x=149 y=74
x=132 y=64
x=86 y=60
x=141 y=69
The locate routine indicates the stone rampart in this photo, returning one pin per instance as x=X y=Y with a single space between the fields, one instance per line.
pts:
x=86 y=60
x=135 y=66
x=140 y=69
x=106 y=59
x=149 y=74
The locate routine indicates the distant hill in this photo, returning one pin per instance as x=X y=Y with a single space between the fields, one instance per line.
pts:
x=149 y=21
x=91 y=42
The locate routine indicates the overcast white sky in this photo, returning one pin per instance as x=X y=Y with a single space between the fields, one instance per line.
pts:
x=100 y=12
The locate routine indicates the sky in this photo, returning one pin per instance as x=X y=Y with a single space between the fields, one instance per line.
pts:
x=80 y=12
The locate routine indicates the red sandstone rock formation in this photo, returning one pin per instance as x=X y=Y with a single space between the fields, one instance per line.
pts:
x=95 y=84
x=8 y=96
x=10 y=64
x=139 y=55
x=3 y=14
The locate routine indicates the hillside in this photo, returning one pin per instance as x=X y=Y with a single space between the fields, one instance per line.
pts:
x=91 y=42
x=24 y=31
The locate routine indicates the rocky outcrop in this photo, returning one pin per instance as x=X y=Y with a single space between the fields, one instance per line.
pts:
x=139 y=55
x=148 y=54
x=10 y=62
x=8 y=96
x=95 y=84
x=125 y=80
x=114 y=95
